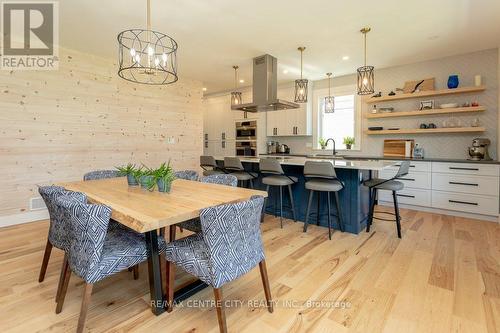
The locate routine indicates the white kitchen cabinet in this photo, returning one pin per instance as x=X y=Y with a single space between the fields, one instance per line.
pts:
x=218 y=120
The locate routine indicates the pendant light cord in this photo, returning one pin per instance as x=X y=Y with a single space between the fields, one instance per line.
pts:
x=149 y=14
x=301 y=51
x=365 y=46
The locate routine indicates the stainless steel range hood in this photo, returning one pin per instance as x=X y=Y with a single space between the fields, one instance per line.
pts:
x=265 y=86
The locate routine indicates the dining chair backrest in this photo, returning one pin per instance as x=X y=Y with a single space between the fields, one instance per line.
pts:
x=270 y=165
x=187 y=175
x=89 y=226
x=58 y=225
x=403 y=169
x=232 y=236
x=208 y=161
x=319 y=169
x=222 y=179
x=233 y=163
x=101 y=174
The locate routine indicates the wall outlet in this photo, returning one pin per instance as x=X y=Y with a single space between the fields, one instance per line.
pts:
x=170 y=140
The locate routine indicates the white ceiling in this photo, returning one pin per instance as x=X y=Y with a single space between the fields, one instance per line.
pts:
x=213 y=35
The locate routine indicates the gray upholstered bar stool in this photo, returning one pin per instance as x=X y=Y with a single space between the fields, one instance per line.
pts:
x=278 y=178
x=321 y=177
x=209 y=166
x=233 y=166
x=391 y=184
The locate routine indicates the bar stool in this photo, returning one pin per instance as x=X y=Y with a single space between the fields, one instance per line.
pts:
x=234 y=167
x=389 y=185
x=209 y=166
x=323 y=178
x=277 y=178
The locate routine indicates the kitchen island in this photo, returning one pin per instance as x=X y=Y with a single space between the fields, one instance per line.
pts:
x=354 y=198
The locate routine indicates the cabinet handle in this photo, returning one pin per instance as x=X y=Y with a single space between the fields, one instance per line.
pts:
x=464 y=202
x=245 y=115
x=459 y=168
x=223 y=135
x=223 y=144
x=206 y=144
x=276 y=130
x=206 y=136
x=405 y=195
x=459 y=183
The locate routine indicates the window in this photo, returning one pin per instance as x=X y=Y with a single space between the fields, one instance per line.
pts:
x=339 y=124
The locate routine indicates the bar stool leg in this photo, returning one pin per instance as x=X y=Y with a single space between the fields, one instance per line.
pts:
x=373 y=193
x=396 y=210
x=251 y=184
x=291 y=202
x=339 y=212
x=317 y=216
x=265 y=204
x=329 y=221
x=308 y=209
x=281 y=206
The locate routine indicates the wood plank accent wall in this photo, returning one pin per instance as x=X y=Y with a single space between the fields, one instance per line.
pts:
x=57 y=125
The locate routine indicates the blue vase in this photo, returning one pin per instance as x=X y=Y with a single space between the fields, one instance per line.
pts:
x=453 y=81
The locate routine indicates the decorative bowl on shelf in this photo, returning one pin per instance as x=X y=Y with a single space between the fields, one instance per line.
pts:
x=448 y=105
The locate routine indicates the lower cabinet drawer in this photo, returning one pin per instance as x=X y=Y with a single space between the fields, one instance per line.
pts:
x=482 y=185
x=467 y=168
x=412 y=196
x=479 y=204
x=412 y=179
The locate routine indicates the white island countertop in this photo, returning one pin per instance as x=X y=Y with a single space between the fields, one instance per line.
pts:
x=375 y=165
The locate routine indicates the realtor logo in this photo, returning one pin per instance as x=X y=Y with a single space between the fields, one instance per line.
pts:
x=30 y=32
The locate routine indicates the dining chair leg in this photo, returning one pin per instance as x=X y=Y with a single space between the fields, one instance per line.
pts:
x=317 y=214
x=171 y=234
x=136 y=272
x=311 y=192
x=396 y=211
x=281 y=206
x=221 y=313
x=265 y=283
x=291 y=202
x=170 y=274
x=329 y=220
x=373 y=192
x=61 y=276
x=64 y=288
x=339 y=212
x=87 y=293
x=45 y=261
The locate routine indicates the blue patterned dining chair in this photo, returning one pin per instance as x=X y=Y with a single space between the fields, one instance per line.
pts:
x=194 y=225
x=187 y=175
x=101 y=174
x=95 y=251
x=229 y=246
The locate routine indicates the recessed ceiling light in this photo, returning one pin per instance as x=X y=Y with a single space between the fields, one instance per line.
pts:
x=242 y=81
x=285 y=71
x=345 y=58
x=204 y=89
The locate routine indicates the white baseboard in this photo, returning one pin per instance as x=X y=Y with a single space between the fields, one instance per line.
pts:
x=445 y=212
x=26 y=217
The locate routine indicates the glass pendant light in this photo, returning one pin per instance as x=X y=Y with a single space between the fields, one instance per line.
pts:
x=366 y=80
x=301 y=85
x=329 y=100
x=235 y=95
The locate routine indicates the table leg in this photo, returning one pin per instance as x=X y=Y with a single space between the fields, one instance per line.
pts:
x=155 y=283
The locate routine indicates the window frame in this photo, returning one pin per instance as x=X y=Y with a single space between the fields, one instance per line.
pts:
x=337 y=91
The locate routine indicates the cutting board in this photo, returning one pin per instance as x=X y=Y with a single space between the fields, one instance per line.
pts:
x=397 y=148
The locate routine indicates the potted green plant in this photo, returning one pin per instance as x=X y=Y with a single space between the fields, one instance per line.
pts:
x=349 y=141
x=146 y=178
x=322 y=143
x=163 y=177
x=130 y=171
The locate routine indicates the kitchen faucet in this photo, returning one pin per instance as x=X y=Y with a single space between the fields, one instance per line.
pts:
x=334 y=152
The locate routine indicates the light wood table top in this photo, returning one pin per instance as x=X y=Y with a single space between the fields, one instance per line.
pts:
x=142 y=210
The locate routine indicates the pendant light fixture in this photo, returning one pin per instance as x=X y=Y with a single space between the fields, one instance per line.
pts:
x=366 y=80
x=147 y=56
x=329 y=100
x=235 y=95
x=301 y=84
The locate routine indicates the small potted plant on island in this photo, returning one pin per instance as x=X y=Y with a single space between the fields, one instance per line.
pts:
x=163 y=177
x=131 y=172
x=349 y=141
x=146 y=178
x=322 y=143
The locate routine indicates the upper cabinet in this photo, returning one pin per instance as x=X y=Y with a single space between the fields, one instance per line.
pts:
x=291 y=122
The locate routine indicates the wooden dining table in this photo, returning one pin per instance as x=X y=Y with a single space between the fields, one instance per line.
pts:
x=147 y=211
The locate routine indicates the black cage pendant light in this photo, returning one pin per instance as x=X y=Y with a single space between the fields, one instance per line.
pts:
x=329 y=100
x=147 y=56
x=301 y=84
x=366 y=80
x=235 y=95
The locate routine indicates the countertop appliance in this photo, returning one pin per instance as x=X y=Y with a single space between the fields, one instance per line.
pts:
x=479 y=149
x=246 y=130
x=272 y=147
x=265 y=88
x=283 y=149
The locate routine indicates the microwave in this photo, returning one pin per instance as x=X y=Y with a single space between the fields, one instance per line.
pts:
x=246 y=130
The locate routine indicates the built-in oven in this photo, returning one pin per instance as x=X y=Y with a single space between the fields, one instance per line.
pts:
x=246 y=148
x=246 y=130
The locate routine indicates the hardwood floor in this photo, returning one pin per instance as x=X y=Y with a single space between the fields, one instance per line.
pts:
x=443 y=276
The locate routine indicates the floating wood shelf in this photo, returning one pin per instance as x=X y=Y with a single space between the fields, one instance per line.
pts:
x=425 y=112
x=427 y=130
x=426 y=93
